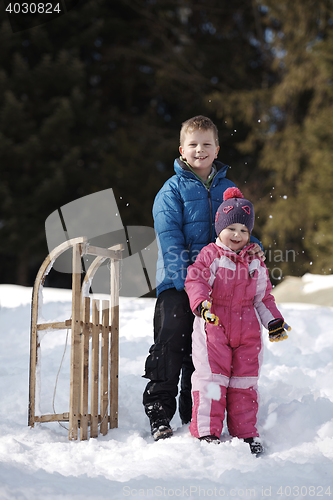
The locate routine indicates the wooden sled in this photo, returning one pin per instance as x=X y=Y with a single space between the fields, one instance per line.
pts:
x=92 y=322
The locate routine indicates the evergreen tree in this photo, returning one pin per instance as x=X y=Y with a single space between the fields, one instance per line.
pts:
x=95 y=99
x=289 y=137
x=42 y=103
x=298 y=136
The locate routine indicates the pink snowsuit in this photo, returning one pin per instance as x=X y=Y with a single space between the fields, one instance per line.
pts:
x=226 y=357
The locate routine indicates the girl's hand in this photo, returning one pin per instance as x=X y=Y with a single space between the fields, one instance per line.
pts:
x=278 y=330
x=205 y=313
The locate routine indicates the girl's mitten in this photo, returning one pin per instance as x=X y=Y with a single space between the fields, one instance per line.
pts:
x=277 y=330
x=204 y=310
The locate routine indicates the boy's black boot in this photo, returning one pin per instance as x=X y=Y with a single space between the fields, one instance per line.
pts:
x=255 y=445
x=159 y=422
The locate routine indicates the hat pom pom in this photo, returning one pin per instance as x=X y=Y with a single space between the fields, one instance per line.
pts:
x=232 y=192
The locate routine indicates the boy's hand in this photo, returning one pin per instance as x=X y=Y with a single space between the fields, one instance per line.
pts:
x=205 y=313
x=256 y=250
x=277 y=330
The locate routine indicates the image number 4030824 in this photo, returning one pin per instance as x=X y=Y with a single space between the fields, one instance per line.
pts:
x=26 y=14
x=97 y=218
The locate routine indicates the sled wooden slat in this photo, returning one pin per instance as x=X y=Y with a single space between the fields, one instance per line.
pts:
x=64 y=325
x=101 y=252
x=53 y=417
x=75 y=351
x=62 y=417
x=33 y=366
x=84 y=368
x=58 y=325
x=94 y=369
x=105 y=367
x=93 y=323
x=114 y=349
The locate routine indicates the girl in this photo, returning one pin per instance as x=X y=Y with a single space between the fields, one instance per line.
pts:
x=229 y=292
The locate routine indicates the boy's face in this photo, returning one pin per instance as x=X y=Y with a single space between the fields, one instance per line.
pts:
x=235 y=236
x=199 y=149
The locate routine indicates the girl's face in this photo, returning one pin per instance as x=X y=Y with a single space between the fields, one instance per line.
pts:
x=235 y=236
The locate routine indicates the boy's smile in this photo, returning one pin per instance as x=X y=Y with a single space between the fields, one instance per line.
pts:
x=200 y=150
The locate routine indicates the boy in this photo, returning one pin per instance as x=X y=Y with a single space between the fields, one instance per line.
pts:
x=184 y=212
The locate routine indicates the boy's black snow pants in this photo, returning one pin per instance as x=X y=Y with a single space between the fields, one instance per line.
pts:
x=171 y=354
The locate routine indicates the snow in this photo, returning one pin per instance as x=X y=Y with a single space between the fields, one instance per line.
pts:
x=295 y=418
x=315 y=282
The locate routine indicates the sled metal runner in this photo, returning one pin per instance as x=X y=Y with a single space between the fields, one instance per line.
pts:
x=94 y=326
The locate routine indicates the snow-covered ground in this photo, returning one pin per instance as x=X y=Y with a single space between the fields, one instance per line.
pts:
x=295 y=418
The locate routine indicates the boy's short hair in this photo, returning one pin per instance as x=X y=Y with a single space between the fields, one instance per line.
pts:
x=198 y=123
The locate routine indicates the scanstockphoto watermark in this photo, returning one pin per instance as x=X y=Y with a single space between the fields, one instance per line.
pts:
x=178 y=260
x=189 y=492
x=26 y=14
x=276 y=257
x=97 y=218
x=192 y=491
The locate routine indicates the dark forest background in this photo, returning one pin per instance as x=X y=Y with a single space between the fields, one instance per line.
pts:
x=95 y=99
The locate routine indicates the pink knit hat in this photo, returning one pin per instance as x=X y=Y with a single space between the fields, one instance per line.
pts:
x=234 y=209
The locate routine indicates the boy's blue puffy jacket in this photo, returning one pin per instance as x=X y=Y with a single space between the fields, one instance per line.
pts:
x=184 y=216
